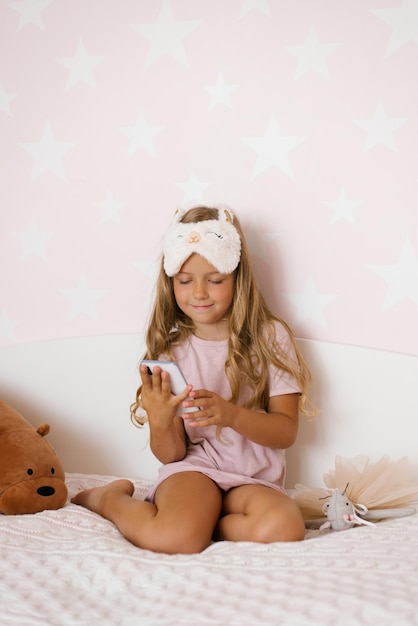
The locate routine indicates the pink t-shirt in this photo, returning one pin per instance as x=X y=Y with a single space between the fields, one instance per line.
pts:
x=232 y=459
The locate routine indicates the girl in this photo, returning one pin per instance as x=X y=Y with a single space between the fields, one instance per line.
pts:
x=223 y=463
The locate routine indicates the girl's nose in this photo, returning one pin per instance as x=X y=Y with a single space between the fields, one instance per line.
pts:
x=199 y=290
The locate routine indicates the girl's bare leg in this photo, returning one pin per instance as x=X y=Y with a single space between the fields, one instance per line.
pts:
x=186 y=510
x=259 y=513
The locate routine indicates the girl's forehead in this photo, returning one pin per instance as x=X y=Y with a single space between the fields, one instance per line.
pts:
x=197 y=264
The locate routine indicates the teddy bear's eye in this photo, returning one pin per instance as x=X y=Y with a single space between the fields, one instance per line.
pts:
x=30 y=471
x=52 y=470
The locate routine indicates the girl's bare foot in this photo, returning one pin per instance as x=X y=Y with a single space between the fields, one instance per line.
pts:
x=94 y=499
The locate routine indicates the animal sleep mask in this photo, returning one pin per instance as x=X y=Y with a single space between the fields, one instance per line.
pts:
x=218 y=241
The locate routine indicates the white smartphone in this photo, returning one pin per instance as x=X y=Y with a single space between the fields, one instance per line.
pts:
x=177 y=381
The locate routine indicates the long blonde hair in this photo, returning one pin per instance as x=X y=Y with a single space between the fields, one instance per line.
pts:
x=252 y=342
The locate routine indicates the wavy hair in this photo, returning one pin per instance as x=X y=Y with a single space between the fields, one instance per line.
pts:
x=252 y=342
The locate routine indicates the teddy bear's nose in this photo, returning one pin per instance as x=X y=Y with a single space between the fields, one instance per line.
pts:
x=45 y=491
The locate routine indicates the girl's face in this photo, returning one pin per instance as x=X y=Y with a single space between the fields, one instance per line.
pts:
x=204 y=295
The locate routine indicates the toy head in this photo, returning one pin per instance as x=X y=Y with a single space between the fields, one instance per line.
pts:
x=32 y=477
x=339 y=510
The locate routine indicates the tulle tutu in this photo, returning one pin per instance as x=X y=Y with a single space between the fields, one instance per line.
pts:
x=381 y=485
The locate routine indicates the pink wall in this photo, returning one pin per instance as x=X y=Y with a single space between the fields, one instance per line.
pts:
x=302 y=115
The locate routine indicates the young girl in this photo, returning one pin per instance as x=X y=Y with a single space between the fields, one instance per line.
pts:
x=223 y=463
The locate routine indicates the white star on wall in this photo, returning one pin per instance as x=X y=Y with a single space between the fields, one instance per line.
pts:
x=166 y=36
x=380 y=129
x=141 y=136
x=48 y=154
x=30 y=12
x=402 y=278
x=343 y=208
x=310 y=304
x=110 y=209
x=193 y=190
x=7 y=325
x=5 y=100
x=33 y=241
x=404 y=23
x=312 y=55
x=261 y=5
x=83 y=298
x=220 y=92
x=273 y=149
x=80 y=66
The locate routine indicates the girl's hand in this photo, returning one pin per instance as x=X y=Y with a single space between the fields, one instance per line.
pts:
x=214 y=410
x=156 y=397
x=276 y=428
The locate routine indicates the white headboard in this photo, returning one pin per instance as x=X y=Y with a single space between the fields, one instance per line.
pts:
x=83 y=388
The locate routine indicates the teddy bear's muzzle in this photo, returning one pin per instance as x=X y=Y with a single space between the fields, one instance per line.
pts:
x=33 y=496
x=46 y=490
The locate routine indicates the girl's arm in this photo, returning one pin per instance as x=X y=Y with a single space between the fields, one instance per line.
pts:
x=168 y=444
x=167 y=433
x=276 y=429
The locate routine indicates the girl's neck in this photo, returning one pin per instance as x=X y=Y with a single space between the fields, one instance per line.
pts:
x=213 y=332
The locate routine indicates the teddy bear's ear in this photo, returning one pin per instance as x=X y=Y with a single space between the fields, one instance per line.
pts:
x=43 y=429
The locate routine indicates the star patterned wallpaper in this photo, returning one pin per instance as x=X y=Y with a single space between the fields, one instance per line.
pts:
x=302 y=116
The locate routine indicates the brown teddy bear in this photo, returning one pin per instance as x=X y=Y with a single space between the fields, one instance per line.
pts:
x=32 y=477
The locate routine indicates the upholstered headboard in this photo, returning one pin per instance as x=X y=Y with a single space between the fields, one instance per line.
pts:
x=83 y=388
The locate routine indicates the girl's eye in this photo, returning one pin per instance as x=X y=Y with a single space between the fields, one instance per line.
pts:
x=216 y=282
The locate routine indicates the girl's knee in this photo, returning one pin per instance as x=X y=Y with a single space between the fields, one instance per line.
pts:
x=177 y=543
x=292 y=529
x=284 y=524
x=278 y=530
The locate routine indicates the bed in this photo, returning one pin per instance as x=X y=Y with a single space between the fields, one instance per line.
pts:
x=71 y=567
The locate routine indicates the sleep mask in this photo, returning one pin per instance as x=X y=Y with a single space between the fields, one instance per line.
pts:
x=218 y=241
